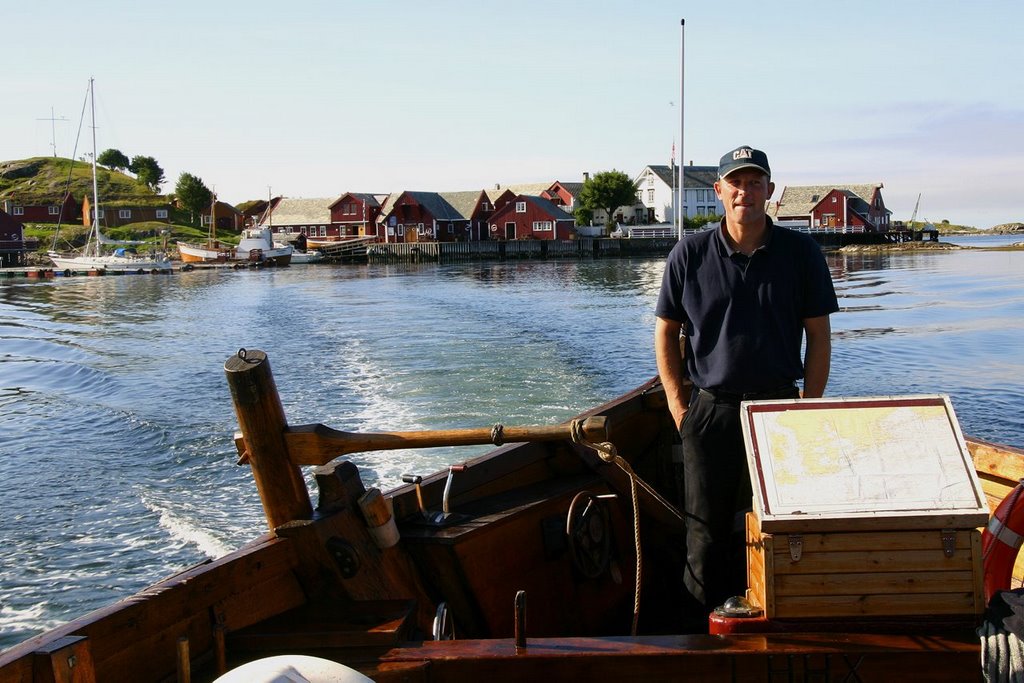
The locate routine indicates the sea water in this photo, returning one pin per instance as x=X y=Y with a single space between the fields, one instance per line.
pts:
x=116 y=424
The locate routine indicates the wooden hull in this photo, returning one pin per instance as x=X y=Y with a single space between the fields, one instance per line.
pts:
x=323 y=586
x=194 y=253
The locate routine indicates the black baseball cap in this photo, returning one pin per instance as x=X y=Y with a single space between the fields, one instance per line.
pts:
x=743 y=157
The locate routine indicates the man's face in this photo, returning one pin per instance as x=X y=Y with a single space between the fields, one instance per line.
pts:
x=743 y=194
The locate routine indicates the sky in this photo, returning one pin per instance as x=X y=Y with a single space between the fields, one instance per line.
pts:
x=317 y=98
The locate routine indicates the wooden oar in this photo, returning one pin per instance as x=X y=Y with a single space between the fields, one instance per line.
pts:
x=318 y=444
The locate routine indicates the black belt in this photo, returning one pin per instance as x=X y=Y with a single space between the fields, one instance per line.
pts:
x=785 y=391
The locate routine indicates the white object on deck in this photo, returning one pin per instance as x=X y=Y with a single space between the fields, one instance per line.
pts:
x=293 y=669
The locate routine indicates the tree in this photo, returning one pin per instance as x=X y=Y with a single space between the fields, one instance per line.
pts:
x=147 y=171
x=607 y=190
x=113 y=158
x=583 y=215
x=193 y=194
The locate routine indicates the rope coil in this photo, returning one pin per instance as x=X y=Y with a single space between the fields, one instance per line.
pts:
x=498 y=434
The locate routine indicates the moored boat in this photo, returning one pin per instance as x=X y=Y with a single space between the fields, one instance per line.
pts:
x=256 y=246
x=93 y=257
x=308 y=256
x=514 y=564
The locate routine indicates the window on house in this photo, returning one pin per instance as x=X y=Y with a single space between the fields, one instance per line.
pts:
x=520 y=207
x=650 y=195
x=100 y=215
x=835 y=199
x=542 y=226
x=54 y=210
x=18 y=211
x=124 y=213
x=451 y=228
x=650 y=180
x=401 y=229
x=161 y=213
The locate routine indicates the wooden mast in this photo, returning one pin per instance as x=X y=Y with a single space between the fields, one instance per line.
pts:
x=263 y=424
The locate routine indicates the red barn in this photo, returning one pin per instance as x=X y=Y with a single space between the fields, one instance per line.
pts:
x=355 y=213
x=423 y=217
x=12 y=241
x=528 y=217
x=476 y=207
x=834 y=207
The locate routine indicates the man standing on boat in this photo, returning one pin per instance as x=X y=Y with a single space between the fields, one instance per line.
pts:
x=734 y=306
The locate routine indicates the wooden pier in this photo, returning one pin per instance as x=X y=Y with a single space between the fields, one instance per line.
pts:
x=587 y=247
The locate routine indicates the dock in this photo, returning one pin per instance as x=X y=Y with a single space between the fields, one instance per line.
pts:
x=365 y=250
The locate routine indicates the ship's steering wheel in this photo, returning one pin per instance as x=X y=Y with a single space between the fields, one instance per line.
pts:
x=588 y=529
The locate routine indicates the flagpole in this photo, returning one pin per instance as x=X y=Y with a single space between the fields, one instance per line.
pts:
x=682 y=140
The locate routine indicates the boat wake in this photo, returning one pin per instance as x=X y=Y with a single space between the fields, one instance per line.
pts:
x=185 y=531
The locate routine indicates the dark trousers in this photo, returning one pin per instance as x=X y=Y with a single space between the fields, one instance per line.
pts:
x=717 y=493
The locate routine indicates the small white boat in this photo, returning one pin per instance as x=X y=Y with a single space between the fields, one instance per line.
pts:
x=309 y=256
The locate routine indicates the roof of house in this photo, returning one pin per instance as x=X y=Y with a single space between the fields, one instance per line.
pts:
x=435 y=204
x=546 y=205
x=573 y=187
x=291 y=211
x=800 y=200
x=369 y=199
x=696 y=176
x=532 y=189
x=463 y=202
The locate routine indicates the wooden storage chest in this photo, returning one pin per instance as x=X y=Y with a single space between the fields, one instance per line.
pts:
x=862 y=508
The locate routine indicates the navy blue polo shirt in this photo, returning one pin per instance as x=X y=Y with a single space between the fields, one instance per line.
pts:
x=743 y=316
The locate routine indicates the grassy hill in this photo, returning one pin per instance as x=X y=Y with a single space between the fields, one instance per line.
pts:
x=42 y=180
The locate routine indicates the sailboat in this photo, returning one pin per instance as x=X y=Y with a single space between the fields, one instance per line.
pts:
x=92 y=256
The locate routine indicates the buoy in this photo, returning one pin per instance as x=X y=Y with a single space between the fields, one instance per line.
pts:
x=293 y=668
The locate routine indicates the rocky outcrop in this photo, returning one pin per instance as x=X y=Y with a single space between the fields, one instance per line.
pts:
x=1009 y=228
x=13 y=170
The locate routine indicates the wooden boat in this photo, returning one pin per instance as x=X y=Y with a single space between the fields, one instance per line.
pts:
x=513 y=565
x=256 y=246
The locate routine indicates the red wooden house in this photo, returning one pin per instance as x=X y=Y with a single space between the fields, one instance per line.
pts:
x=563 y=195
x=529 y=217
x=227 y=217
x=502 y=195
x=476 y=207
x=422 y=217
x=122 y=212
x=12 y=241
x=42 y=212
x=857 y=208
x=355 y=213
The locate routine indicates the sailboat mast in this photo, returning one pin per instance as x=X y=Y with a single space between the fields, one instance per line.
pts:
x=95 y=231
x=682 y=139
